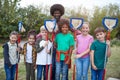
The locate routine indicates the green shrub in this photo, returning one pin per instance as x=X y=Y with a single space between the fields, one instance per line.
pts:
x=115 y=42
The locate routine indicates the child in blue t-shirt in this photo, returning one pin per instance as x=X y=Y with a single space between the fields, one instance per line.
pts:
x=98 y=54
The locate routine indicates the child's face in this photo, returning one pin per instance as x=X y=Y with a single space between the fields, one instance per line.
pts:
x=13 y=39
x=64 y=29
x=43 y=33
x=100 y=36
x=31 y=39
x=85 y=29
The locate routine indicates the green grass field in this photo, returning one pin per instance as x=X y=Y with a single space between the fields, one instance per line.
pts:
x=113 y=66
x=1 y=54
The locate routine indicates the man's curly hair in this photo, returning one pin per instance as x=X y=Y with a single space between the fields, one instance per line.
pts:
x=56 y=7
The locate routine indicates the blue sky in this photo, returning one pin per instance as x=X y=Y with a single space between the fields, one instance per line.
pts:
x=70 y=3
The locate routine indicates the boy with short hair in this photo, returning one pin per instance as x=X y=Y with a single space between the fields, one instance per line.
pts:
x=11 y=55
x=98 y=54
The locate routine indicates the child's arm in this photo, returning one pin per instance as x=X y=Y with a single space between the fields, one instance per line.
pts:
x=84 y=53
x=19 y=48
x=92 y=59
x=23 y=49
x=38 y=48
x=49 y=46
x=35 y=57
x=108 y=49
x=6 y=55
x=70 y=54
x=55 y=45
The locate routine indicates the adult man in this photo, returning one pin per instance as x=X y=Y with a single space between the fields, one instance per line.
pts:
x=56 y=11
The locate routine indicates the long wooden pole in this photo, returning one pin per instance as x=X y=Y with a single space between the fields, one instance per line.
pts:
x=74 y=67
x=47 y=61
x=53 y=35
x=18 y=41
x=104 y=73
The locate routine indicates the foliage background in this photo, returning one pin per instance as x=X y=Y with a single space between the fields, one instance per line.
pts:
x=33 y=16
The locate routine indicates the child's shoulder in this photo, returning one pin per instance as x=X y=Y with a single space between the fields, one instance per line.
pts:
x=95 y=41
x=70 y=35
x=90 y=36
x=25 y=44
x=59 y=34
x=5 y=44
x=39 y=39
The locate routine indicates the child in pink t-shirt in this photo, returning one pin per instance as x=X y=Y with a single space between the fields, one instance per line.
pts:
x=83 y=42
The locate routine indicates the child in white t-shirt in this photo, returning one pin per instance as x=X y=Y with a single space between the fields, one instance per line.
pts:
x=29 y=51
x=43 y=54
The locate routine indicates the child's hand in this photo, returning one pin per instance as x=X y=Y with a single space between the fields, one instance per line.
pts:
x=19 y=45
x=78 y=56
x=35 y=66
x=108 y=43
x=68 y=61
x=94 y=67
x=18 y=49
x=74 y=51
x=48 y=51
x=46 y=43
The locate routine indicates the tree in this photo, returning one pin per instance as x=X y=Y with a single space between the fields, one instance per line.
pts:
x=111 y=10
x=7 y=16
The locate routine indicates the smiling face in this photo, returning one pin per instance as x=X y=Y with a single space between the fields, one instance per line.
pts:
x=63 y=25
x=85 y=29
x=64 y=29
x=31 y=39
x=43 y=34
x=100 y=36
x=57 y=15
x=13 y=38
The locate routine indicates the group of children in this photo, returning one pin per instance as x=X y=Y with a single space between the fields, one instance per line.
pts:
x=37 y=53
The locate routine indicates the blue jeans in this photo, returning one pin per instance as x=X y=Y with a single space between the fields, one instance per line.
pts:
x=82 y=66
x=97 y=74
x=40 y=69
x=61 y=67
x=10 y=71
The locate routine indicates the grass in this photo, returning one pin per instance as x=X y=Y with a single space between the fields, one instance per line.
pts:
x=113 y=67
x=1 y=52
x=2 y=74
